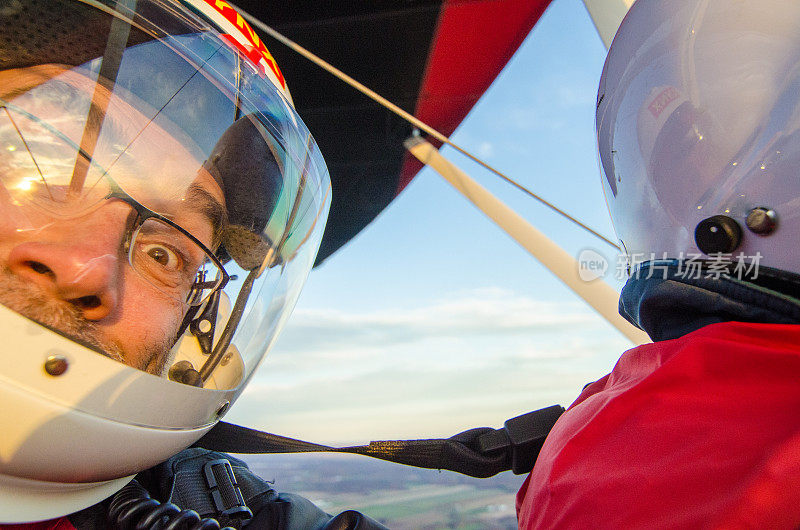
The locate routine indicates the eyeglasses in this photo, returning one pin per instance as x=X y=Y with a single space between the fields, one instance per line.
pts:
x=170 y=258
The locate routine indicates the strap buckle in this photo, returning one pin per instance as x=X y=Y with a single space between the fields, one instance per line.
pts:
x=224 y=489
x=522 y=437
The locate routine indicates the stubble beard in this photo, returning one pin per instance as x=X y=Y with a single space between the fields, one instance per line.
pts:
x=31 y=302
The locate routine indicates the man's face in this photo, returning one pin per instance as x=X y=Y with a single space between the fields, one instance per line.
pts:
x=71 y=271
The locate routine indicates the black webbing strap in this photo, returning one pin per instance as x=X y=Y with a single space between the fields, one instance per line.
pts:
x=481 y=452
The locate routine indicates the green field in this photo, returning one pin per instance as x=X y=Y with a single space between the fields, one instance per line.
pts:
x=401 y=497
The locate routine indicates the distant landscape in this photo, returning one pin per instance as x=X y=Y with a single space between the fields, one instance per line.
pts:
x=400 y=497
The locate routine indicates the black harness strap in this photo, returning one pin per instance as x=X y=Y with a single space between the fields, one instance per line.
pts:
x=481 y=452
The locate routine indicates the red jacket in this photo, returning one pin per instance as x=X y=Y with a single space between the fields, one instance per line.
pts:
x=61 y=523
x=697 y=432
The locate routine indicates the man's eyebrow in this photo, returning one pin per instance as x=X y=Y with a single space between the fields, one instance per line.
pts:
x=199 y=199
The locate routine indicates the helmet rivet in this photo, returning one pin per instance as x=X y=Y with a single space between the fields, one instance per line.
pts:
x=56 y=365
x=762 y=221
x=718 y=234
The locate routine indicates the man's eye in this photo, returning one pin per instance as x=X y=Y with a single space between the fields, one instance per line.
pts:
x=162 y=255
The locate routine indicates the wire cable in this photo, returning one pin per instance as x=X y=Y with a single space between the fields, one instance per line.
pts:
x=410 y=118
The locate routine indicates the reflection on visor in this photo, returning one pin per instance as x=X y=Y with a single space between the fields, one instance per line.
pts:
x=38 y=163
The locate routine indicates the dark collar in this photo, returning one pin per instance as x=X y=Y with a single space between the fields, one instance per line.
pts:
x=668 y=304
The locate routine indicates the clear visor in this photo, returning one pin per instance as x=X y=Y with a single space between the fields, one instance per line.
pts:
x=160 y=200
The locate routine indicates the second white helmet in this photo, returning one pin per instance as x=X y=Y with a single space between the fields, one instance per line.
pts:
x=698 y=124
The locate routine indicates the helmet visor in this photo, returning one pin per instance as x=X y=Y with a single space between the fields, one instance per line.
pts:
x=158 y=192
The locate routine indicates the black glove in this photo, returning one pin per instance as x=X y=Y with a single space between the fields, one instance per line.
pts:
x=196 y=479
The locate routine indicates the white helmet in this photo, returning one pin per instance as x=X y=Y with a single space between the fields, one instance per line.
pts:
x=161 y=204
x=698 y=125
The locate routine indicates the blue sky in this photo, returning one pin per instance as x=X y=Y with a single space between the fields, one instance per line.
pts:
x=432 y=320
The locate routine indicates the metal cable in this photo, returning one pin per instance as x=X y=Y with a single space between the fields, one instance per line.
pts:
x=408 y=117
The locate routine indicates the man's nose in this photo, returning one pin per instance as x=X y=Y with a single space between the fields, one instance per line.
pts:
x=82 y=274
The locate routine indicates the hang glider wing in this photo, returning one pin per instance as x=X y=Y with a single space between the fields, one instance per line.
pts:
x=433 y=58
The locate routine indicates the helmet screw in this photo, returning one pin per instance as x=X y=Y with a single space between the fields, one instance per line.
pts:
x=56 y=365
x=762 y=221
x=718 y=234
x=223 y=408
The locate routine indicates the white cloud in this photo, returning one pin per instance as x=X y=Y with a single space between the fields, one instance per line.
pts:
x=477 y=313
x=477 y=357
